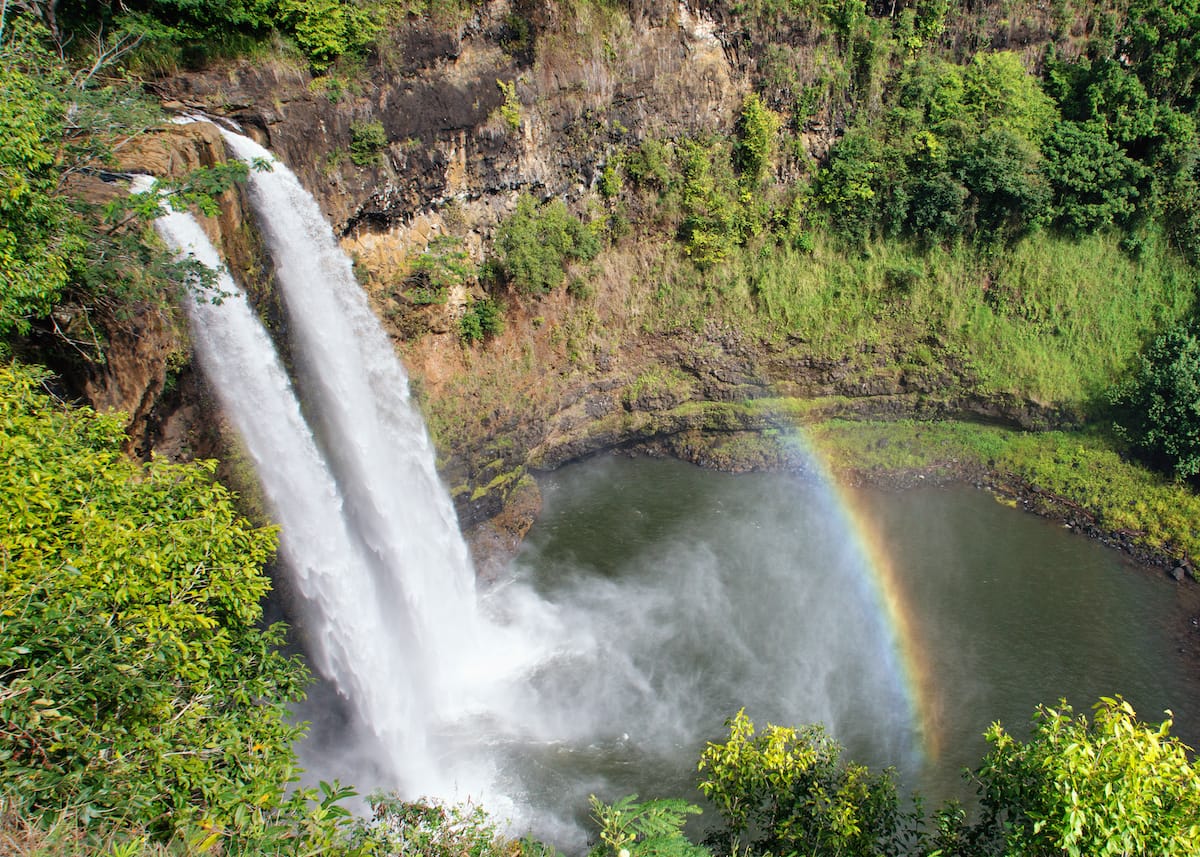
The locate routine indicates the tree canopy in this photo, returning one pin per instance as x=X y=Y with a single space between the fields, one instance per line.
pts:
x=136 y=679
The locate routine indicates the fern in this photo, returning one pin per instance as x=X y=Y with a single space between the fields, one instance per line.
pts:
x=649 y=829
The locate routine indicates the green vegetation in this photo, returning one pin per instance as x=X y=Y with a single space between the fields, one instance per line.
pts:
x=1159 y=407
x=1029 y=234
x=367 y=140
x=1080 y=472
x=1109 y=785
x=785 y=791
x=649 y=829
x=56 y=247
x=482 y=319
x=136 y=679
x=442 y=266
x=510 y=109
x=1017 y=233
x=168 y=32
x=756 y=130
x=536 y=242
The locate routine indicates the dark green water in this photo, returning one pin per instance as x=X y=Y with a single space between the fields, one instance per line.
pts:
x=698 y=593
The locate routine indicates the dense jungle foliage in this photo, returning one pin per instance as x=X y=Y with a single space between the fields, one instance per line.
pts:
x=1035 y=218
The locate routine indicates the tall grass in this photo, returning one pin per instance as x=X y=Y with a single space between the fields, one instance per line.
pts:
x=1052 y=319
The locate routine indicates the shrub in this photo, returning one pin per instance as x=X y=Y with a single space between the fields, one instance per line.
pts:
x=649 y=165
x=650 y=829
x=327 y=29
x=935 y=212
x=367 y=140
x=428 y=829
x=510 y=108
x=848 y=186
x=1094 y=184
x=610 y=179
x=1110 y=786
x=756 y=130
x=137 y=682
x=482 y=319
x=536 y=242
x=789 y=792
x=711 y=225
x=442 y=266
x=1008 y=194
x=1159 y=408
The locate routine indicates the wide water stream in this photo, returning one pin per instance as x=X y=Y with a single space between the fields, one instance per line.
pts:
x=905 y=621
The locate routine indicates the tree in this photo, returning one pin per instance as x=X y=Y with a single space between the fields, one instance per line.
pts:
x=54 y=246
x=1093 y=183
x=39 y=234
x=712 y=220
x=848 y=186
x=1109 y=786
x=536 y=242
x=649 y=829
x=787 y=791
x=756 y=130
x=1159 y=408
x=998 y=93
x=1161 y=40
x=137 y=681
x=1008 y=194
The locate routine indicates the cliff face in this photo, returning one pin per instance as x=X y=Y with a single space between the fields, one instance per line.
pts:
x=525 y=97
x=143 y=367
x=603 y=79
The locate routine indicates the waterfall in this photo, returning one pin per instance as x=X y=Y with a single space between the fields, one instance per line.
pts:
x=368 y=532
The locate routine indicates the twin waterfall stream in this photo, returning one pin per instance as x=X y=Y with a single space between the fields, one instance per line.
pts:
x=368 y=533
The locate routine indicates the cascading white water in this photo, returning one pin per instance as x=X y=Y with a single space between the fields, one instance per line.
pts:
x=366 y=629
x=357 y=392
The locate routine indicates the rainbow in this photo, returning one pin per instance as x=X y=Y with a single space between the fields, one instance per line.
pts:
x=908 y=650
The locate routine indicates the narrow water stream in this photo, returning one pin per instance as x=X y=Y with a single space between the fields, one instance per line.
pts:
x=709 y=592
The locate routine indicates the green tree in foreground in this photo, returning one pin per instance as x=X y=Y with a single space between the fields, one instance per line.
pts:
x=1109 y=786
x=788 y=791
x=137 y=682
x=650 y=829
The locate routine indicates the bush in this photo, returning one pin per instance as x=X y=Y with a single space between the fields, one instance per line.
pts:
x=1110 y=786
x=443 y=265
x=1159 y=409
x=429 y=829
x=848 y=186
x=327 y=29
x=787 y=791
x=1093 y=183
x=367 y=140
x=756 y=130
x=650 y=829
x=536 y=242
x=649 y=165
x=712 y=208
x=482 y=319
x=137 y=681
x=935 y=212
x=1008 y=194
x=40 y=237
